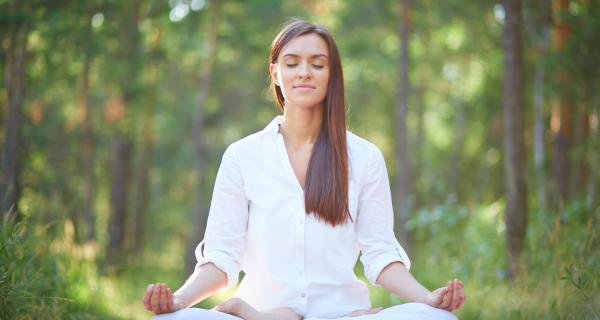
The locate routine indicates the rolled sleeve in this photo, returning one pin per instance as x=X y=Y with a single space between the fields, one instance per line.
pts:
x=225 y=237
x=221 y=260
x=374 y=227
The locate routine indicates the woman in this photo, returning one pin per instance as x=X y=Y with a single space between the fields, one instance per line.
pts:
x=295 y=204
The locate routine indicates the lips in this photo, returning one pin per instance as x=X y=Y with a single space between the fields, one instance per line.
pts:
x=303 y=86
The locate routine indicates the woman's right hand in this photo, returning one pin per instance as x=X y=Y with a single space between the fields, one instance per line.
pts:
x=159 y=299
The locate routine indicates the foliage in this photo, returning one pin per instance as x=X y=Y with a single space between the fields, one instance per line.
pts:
x=39 y=282
x=145 y=62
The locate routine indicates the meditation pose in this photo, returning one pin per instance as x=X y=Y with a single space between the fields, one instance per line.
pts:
x=294 y=205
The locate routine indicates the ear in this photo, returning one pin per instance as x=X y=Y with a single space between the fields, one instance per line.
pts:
x=273 y=72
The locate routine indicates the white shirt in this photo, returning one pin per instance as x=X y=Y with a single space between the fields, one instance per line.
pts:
x=257 y=223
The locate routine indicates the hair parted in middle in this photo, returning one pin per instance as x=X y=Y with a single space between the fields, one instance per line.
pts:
x=326 y=185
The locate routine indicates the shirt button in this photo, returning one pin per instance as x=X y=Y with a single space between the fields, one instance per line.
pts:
x=303 y=295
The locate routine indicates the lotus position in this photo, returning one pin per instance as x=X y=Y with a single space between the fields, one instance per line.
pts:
x=294 y=205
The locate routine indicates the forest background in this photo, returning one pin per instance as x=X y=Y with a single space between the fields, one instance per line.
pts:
x=115 y=115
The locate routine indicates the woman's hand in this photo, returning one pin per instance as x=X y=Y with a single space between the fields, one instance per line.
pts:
x=448 y=298
x=159 y=299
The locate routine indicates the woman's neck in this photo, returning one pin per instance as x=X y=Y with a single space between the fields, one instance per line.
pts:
x=301 y=127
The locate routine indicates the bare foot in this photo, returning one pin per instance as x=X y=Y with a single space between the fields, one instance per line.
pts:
x=357 y=313
x=240 y=308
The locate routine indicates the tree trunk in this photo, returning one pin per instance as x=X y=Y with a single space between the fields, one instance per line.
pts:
x=514 y=147
x=403 y=177
x=594 y=160
x=121 y=172
x=15 y=70
x=143 y=177
x=581 y=135
x=562 y=113
x=542 y=39
x=539 y=158
x=200 y=219
x=131 y=60
x=88 y=143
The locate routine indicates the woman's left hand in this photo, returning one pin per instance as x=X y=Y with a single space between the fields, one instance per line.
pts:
x=449 y=298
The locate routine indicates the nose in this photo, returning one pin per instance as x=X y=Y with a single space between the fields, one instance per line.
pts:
x=304 y=71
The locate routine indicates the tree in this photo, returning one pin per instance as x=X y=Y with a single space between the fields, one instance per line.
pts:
x=200 y=219
x=562 y=108
x=539 y=30
x=88 y=136
x=10 y=188
x=403 y=167
x=514 y=146
x=128 y=80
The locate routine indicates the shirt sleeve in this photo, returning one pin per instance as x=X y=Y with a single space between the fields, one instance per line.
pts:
x=225 y=236
x=375 y=221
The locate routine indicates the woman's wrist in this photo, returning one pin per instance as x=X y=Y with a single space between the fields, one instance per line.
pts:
x=178 y=304
x=427 y=298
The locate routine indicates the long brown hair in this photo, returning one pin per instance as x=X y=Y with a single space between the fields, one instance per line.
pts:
x=326 y=186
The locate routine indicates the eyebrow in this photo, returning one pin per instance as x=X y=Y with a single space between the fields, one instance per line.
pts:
x=313 y=56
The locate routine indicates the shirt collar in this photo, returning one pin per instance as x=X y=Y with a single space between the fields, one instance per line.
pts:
x=273 y=126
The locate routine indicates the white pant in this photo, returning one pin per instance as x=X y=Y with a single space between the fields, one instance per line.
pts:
x=407 y=311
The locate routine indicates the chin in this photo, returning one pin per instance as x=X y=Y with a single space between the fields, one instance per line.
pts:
x=306 y=104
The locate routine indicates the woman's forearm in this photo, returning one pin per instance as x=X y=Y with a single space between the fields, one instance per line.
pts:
x=398 y=280
x=205 y=281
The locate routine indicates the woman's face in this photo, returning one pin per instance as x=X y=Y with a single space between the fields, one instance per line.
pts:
x=302 y=71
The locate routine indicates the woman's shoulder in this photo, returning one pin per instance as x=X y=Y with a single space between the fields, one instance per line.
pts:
x=359 y=146
x=254 y=142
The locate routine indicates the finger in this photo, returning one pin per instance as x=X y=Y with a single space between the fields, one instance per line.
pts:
x=147 y=296
x=158 y=293
x=456 y=295
x=462 y=301
x=443 y=298
x=440 y=297
x=163 y=298
x=448 y=296
x=154 y=298
x=170 y=302
x=462 y=294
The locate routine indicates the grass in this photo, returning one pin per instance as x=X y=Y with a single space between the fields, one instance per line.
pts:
x=560 y=276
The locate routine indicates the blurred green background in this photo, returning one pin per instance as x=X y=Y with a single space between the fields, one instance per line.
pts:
x=115 y=115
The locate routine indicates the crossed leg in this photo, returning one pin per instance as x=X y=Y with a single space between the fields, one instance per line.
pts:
x=195 y=314
x=406 y=311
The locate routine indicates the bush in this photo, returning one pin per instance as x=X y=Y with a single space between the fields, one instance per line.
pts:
x=30 y=284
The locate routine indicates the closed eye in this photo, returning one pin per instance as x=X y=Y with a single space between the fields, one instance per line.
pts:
x=316 y=66
x=291 y=65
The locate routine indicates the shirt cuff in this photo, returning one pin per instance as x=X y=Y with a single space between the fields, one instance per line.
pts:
x=373 y=270
x=221 y=261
